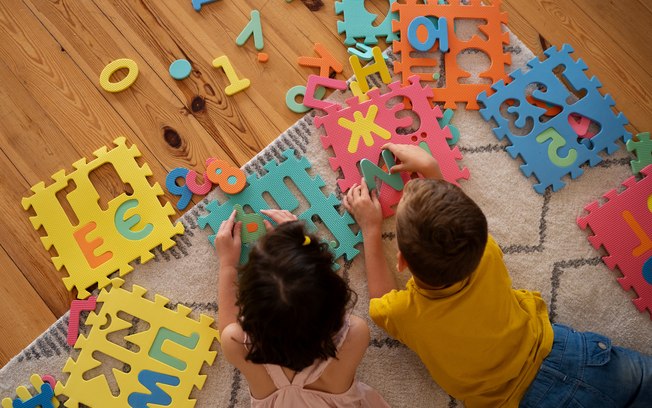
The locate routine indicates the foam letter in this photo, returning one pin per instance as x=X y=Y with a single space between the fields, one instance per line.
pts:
x=88 y=247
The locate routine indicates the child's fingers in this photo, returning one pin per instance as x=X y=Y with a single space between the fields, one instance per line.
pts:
x=364 y=190
x=374 y=197
x=237 y=230
x=345 y=203
x=268 y=225
x=397 y=168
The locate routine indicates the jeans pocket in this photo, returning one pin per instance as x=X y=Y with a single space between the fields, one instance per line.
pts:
x=598 y=349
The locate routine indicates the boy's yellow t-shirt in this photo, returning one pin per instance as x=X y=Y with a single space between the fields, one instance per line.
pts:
x=482 y=341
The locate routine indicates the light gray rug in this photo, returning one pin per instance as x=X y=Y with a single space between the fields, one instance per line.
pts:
x=544 y=250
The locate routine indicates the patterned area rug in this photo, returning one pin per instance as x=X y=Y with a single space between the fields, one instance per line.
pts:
x=544 y=250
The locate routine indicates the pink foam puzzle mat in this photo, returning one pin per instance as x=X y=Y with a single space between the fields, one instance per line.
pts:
x=360 y=129
x=623 y=227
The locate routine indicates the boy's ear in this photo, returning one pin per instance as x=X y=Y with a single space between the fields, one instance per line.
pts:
x=401 y=263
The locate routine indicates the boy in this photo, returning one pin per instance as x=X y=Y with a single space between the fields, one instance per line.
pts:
x=482 y=342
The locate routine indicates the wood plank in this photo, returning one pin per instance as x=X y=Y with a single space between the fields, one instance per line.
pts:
x=149 y=107
x=31 y=143
x=563 y=22
x=25 y=315
x=50 y=127
x=522 y=28
x=242 y=121
x=632 y=38
x=645 y=4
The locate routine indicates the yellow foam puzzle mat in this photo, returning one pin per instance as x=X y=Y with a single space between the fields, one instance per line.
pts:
x=103 y=241
x=167 y=347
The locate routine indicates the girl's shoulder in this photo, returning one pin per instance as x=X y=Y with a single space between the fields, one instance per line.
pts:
x=353 y=347
x=232 y=340
x=358 y=336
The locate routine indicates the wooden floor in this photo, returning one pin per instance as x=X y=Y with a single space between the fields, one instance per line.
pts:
x=53 y=112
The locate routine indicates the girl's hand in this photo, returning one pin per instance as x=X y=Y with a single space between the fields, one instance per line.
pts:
x=365 y=207
x=228 y=242
x=278 y=216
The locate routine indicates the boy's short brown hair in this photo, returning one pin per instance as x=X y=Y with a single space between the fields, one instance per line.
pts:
x=441 y=232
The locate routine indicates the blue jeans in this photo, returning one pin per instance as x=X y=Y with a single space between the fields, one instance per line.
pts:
x=585 y=370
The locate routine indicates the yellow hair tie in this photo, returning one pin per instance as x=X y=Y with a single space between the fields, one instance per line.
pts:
x=306 y=241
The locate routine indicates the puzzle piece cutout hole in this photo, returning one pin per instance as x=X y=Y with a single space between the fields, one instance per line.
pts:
x=471 y=28
x=325 y=234
x=415 y=121
x=105 y=368
x=304 y=204
x=575 y=94
x=119 y=336
x=108 y=184
x=476 y=63
x=508 y=110
x=427 y=69
x=64 y=202
x=271 y=203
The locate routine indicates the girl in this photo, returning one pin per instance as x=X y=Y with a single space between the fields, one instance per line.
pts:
x=284 y=322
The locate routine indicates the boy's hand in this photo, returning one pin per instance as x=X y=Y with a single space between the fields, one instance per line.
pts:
x=414 y=159
x=364 y=206
x=278 y=216
x=228 y=242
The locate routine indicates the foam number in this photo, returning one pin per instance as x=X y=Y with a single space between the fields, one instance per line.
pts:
x=432 y=34
x=164 y=334
x=125 y=225
x=236 y=84
x=362 y=127
x=229 y=178
x=557 y=142
x=370 y=171
x=199 y=189
x=151 y=380
x=182 y=191
x=111 y=68
x=88 y=247
x=379 y=66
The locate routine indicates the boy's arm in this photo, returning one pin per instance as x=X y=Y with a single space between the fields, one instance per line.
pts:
x=228 y=246
x=414 y=159
x=365 y=207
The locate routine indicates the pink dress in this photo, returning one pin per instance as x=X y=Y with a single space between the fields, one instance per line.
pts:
x=293 y=394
